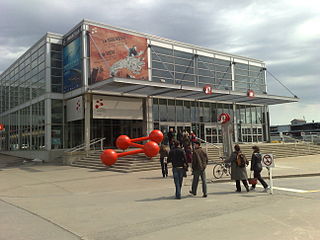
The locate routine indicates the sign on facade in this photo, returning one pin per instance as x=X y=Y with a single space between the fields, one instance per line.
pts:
x=111 y=107
x=75 y=109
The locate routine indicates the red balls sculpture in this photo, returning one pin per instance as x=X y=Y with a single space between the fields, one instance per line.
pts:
x=150 y=149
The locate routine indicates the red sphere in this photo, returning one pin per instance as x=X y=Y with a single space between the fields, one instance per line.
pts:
x=151 y=149
x=123 y=142
x=156 y=135
x=109 y=157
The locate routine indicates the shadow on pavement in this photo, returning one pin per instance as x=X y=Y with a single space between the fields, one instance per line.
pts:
x=146 y=178
x=156 y=199
x=224 y=193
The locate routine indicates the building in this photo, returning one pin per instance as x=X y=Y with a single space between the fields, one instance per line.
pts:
x=298 y=121
x=298 y=129
x=102 y=81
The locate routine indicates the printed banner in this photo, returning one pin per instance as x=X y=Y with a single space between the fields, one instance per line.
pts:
x=116 y=54
x=72 y=69
x=75 y=109
x=110 y=107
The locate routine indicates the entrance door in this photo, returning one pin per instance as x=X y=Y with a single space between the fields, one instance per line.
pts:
x=113 y=128
x=213 y=133
x=199 y=130
x=177 y=127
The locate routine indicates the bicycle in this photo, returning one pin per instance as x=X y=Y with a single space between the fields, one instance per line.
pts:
x=221 y=168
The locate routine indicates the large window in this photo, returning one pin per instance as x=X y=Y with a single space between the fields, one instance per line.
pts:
x=249 y=77
x=56 y=68
x=178 y=67
x=57 y=124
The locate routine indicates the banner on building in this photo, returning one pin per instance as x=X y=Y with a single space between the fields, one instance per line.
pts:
x=117 y=54
x=110 y=107
x=75 y=110
x=72 y=67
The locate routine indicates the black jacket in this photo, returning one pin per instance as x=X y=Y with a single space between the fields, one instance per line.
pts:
x=256 y=162
x=177 y=157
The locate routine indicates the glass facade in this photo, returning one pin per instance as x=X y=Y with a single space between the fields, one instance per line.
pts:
x=34 y=92
x=202 y=118
x=249 y=77
x=56 y=68
x=23 y=89
x=176 y=67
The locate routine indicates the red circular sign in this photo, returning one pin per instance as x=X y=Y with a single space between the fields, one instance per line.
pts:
x=1 y=127
x=207 y=89
x=250 y=93
x=224 y=118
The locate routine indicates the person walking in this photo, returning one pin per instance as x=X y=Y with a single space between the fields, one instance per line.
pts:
x=186 y=139
x=179 y=165
x=193 y=138
x=199 y=164
x=171 y=137
x=188 y=151
x=164 y=160
x=256 y=167
x=238 y=168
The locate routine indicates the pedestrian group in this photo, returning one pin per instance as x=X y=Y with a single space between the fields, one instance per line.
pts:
x=185 y=151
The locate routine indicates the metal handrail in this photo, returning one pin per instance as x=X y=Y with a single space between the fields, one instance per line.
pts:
x=83 y=146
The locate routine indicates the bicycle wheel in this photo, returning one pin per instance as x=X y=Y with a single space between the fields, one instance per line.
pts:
x=218 y=171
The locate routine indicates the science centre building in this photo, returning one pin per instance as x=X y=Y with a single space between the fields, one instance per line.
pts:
x=103 y=81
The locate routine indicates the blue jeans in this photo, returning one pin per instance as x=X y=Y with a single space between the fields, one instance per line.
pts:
x=178 y=179
x=195 y=181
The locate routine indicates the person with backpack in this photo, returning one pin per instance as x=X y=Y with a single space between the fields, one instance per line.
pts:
x=256 y=167
x=238 y=168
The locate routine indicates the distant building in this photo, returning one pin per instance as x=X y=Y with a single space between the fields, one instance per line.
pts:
x=298 y=121
x=298 y=129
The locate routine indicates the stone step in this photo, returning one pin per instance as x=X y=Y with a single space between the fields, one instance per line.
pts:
x=140 y=162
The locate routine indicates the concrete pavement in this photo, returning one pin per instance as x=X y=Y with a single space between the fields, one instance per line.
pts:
x=43 y=201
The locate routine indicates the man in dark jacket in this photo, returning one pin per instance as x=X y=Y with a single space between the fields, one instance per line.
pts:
x=178 y=159
x=199 y=164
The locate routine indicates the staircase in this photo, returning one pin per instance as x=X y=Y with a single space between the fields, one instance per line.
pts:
x=283 y=150
x=131 y=163
x=139 y=162
x=279 y=150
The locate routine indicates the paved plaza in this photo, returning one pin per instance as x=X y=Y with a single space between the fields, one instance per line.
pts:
x=41 y=201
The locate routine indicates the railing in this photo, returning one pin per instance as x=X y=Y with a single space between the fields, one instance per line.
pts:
x=83 y=146
x=210 y=144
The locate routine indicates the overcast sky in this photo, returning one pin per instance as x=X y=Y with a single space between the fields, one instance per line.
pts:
x=283 y=33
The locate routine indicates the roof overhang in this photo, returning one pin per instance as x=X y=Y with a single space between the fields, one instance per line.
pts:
x=143 y=88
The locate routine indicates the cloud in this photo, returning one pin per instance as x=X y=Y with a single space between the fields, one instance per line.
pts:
x=283 y=33
x=292 y=111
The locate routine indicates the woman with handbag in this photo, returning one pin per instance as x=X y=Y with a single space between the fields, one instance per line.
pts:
x=238 y=171
x=256 y=167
